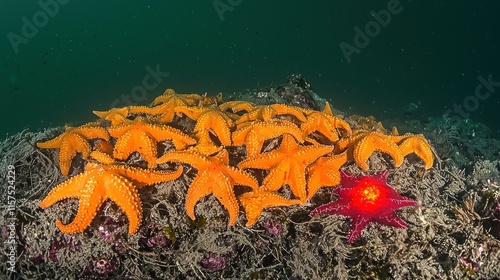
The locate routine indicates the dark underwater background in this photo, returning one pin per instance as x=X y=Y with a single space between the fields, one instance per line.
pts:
x=84 y=55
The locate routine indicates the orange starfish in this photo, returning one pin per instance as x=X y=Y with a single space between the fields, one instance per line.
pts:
x=100 y=182
x=256 y=201
x=269 y=112
x=325 y=172
x=237 y=106
x=326 y=123
x=364 y=143
x=254 y=134
x=418 y=145
x=141 y=136
x=287 y=165
x=214 y=176
x=118 y=116
x=169 y=96
x=74 y=140
x=209 y=120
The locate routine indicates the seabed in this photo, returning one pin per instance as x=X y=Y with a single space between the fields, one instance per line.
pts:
x=454 y=233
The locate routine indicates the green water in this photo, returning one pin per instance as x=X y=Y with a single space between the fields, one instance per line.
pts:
x=86 y=54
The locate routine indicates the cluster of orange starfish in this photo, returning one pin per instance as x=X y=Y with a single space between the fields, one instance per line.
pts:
x=299 y=150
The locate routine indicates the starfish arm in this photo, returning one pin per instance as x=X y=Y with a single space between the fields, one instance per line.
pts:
x=116 y=115
x=119 y=130
x=191 y=112
x=102 y=157
x=225 y=195
x=52 y=143
x=333 y=123
x=213 y=121
x=240 y=177
x=201 y=186
x=297 y=182
x=143 y=177
x=67 y=189
x=334 y=207
x=182 y=141
x=253 y=209
x=375 y=142
x=277 y=177
x=402 y=201
x=140 y=110
x=91 y=199
x=69 y=147
x=418 y=145
x=262 y=161
x=256 y=201
x=357 y=226
x=123 y=146
x=328 y=130
x=282 y=109
x=392 y=220
x=165 y=132
x=165 y=111
x=192 y=158
x=254 y=114
x=167 y=116
x=253 y=143
x=93 y=132
x=326 y=125
x=125 y=195
x=79 y=144
x=320 y=178
x=237 y=106
x=240 y=136
x=136 y=141
x=205 y=144
x=346 y=142
x=308 y=154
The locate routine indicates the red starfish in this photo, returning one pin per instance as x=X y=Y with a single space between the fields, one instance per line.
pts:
x=366 y=199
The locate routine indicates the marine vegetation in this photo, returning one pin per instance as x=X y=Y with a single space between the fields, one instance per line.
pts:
x=196 y=186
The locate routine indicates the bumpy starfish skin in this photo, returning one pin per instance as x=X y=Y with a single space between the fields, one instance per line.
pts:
x=325 y=172
x=142 y=137
x=287 y=165
x=364 y=144
x=74 y=140
x=237 y=106
x=209 y=120
x=313 y=146
x=165 y=112
x=326 y=123
x=118 y=116
x=170 y=95
x=269 y=112
x=256 y=133
x=256 y=201
x=366 y=199
x=418 y=145
x=215 y=177
x=100 y=182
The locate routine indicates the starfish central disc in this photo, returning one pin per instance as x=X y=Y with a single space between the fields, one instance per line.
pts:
x=368 y=196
